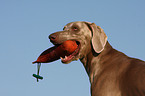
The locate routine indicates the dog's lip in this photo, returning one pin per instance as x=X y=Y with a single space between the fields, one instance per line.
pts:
x=72 y=56
x=55 y=43
x=59 y=43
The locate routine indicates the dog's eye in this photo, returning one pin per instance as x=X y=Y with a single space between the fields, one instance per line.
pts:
x=75 y=28
x=64 y=28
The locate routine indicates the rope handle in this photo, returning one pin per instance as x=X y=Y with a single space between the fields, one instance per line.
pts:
x=38 y=70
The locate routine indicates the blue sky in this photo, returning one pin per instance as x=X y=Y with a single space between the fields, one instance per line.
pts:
x=26 y=24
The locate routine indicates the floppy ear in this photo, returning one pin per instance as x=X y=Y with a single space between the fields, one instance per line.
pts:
x=99 y=38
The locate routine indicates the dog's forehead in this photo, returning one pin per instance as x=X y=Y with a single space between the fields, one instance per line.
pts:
x=78 y=23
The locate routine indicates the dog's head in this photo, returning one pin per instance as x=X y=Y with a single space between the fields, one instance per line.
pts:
x=88 y=37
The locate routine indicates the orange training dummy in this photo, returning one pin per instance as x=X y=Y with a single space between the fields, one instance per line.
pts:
x=56 y=52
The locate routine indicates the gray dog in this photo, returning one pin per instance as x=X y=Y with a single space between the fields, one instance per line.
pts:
x=111 y=72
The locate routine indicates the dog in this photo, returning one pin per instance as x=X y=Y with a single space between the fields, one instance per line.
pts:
x=111 y=73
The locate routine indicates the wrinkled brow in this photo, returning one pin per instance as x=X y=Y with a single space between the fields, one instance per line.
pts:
x=88 y=25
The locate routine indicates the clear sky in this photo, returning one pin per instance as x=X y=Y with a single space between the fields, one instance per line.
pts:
x=24 y=29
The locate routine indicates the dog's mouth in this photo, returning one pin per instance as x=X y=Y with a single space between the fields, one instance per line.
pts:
x=68 y=58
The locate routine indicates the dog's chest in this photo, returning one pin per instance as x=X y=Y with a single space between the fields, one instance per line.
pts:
x=105 y=86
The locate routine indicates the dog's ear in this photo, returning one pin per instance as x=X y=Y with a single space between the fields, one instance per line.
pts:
x=99 y=37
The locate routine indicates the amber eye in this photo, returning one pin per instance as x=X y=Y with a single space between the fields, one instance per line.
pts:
x=75 y=28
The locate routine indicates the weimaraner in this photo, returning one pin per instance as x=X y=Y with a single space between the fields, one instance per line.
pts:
x=111 y=72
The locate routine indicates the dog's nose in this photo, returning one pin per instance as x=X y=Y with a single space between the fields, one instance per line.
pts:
x=52 y=37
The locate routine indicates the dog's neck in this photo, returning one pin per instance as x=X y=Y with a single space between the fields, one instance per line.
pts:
x=95 y=64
